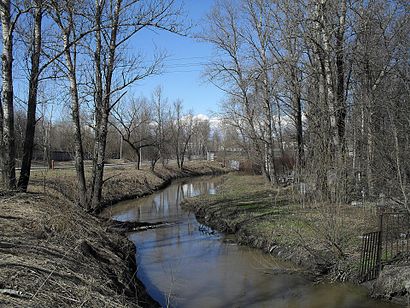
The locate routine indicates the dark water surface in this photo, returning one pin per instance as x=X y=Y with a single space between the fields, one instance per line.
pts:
x=188 y=265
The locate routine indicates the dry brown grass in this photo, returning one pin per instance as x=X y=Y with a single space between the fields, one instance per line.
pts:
x=52 y=255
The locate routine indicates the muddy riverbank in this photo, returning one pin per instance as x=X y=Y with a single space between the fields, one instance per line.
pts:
x=54 y=254
x=323 y=240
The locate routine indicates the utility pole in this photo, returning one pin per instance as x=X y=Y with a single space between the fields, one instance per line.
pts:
x=121 y=139
x=140 y=154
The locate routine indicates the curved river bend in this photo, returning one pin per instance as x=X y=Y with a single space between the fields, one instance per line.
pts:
x=186 y=264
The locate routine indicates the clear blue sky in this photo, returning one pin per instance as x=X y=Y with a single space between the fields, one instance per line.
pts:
x=182 y=77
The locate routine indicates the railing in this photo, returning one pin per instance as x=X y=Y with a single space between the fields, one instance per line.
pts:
x=370 y=257
x=395 y=229
x=391 y=242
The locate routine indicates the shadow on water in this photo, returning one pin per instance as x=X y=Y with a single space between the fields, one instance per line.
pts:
x=188 y=265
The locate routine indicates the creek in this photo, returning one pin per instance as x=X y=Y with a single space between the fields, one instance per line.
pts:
x=186 y=264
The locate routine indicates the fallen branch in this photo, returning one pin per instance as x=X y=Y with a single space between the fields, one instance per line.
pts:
x=14 y=293
x=135 y=226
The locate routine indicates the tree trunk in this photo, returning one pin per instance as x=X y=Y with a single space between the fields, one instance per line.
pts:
x=399 y=164
x=32 y=101
x=138 y=158
x=327 y=71
x=2 y=149
x=370 y=154
x=98 y=95
x=78 y=145
x=297 y=106
x=183 y=154
x=340 y=72
x=75 y=115
x=9 y=150
x=103 y=104
x=100 y=162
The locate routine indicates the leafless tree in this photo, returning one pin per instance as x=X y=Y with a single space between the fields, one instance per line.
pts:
x=116 y=22
x=337 y=69
x=35 y=49
x=132 y=122
x=9 y=15
x=182 y=132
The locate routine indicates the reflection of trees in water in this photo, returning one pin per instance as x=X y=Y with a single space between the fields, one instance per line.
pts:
x=174 y=248
x=165 y=203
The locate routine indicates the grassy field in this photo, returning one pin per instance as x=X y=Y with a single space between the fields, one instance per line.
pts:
x=322 y=237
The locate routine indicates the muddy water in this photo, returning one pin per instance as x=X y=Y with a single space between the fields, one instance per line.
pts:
x=188 y=265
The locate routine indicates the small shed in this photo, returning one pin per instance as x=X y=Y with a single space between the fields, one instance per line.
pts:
x=210 y=156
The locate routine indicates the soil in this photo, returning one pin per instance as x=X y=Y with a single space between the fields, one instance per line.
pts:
x=54 y=254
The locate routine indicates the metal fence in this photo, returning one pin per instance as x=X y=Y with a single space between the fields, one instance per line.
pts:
x=370 y=257
x=391 y=242
x=395 y=227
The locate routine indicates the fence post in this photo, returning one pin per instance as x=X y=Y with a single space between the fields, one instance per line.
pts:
x=380 y=245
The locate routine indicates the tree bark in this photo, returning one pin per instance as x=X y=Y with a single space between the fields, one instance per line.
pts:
x=327 y=71
x=98 y=95
x=99 y=162
x=32 y=100
x=75 y=115
x=9 y=150
x=340 y=73
x=70 y=54
x=104 y=105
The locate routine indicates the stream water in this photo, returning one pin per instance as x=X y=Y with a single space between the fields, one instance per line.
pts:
x=186 y=264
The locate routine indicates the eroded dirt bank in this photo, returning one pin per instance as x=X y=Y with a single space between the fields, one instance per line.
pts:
x=324 y=240
x=54 y=254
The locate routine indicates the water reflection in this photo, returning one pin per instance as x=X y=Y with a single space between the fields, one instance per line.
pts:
x=183 y=266
x=163 y=205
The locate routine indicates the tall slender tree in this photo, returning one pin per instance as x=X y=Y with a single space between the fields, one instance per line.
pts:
x=35 y=49
x=9 y=15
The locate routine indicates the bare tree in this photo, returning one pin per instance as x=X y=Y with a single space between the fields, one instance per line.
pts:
x=201 y=136
x=65 y=18
x=182 y=132
x=161 y=132
x=132 y=122
x=334 y=68
x=116 y=22
x=35 y=48
x=234 y=73
x=9 y=14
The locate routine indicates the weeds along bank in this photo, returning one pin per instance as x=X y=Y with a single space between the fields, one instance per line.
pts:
x=323 y=239
x=54 y=254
